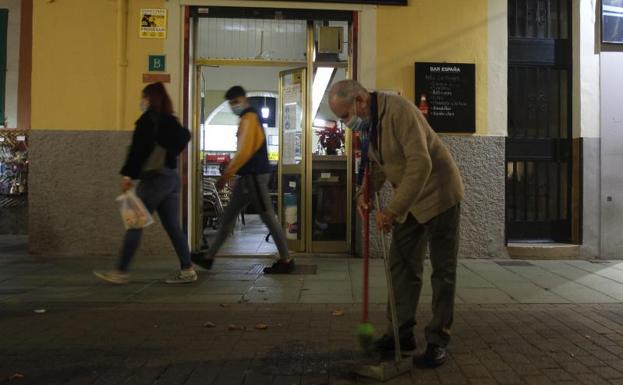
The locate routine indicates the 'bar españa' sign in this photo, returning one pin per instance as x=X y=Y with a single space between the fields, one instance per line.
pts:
x=446 y=94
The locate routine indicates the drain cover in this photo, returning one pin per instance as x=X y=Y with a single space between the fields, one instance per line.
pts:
x=513 y=263
x=298 y=270
x=257 y=269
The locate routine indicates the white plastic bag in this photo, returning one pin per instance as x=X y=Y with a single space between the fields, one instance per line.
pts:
x=133 y=211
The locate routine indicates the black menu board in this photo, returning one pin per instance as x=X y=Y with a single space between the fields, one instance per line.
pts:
x=446 y=95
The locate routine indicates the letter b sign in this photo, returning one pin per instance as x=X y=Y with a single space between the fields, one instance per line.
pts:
x=156 y=63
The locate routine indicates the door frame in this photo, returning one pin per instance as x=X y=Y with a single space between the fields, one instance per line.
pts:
x=299 y=244
x=191 y=95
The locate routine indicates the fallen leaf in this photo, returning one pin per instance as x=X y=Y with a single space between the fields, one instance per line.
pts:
x=209 y=325
x=338 y=313
x=39 y=311
x=261 y=326
x=16 y=376
x=233 y=327
x=261 y=290
x=225 y=305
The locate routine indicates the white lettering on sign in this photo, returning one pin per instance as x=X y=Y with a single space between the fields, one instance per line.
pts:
x=450 y=69
x=454 y=69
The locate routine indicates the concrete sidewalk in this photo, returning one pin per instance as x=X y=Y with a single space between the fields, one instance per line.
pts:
x=24 y=278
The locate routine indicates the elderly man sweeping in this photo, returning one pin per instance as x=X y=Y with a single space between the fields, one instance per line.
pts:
x=424 y=209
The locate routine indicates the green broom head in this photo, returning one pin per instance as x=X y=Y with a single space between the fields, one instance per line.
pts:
x=365 y=335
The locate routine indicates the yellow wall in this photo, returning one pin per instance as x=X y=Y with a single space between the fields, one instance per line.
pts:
x=75 y=63
x=138 y=51
x=436 y=31
x=75 y=58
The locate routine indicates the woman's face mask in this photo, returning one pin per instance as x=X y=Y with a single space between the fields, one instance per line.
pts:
x=144 y=105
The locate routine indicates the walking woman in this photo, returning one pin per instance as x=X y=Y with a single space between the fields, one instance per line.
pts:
x=156 y=129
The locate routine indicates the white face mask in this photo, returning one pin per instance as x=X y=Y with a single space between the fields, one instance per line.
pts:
x=144 y=106
x=237 y=109
x=357 y=123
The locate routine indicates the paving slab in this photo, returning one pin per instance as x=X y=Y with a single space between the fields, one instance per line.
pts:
x=304 y=344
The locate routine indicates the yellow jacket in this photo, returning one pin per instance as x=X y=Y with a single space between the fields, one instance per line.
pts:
x=251 y=138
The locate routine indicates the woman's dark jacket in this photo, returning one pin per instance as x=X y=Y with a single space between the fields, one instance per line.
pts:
x=153 y=127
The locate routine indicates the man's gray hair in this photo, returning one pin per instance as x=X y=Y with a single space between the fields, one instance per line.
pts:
x=347 y=90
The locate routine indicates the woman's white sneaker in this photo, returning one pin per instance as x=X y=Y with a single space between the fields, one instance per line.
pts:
x=184 y=276
x=114 y=276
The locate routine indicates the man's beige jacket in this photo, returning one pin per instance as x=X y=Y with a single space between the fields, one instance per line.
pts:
x=414 y=160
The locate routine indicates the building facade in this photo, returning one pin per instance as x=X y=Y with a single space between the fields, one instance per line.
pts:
x=89 y=62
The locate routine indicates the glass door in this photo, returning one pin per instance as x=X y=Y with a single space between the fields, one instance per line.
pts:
x=330 y=163
x=292 y=155
x=330 y=176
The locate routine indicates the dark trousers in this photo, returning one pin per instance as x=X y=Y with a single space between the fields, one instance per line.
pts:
x=160 y=194
x=408 y=249
x=250 y=189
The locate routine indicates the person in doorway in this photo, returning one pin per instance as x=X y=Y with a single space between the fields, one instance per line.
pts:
x=159 y=191
x=424 y=208
x=253 y=169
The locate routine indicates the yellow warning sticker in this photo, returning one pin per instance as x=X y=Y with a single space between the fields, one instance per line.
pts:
x=153 y=24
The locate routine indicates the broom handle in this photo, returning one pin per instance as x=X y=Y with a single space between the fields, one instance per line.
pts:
x=390 y=288
x=366 y=248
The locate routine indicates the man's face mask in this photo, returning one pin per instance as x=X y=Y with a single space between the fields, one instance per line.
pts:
x=237 y=109
x=357 y=123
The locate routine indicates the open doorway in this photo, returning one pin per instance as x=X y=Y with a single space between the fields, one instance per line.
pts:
x=219 y=144
x=286 y=60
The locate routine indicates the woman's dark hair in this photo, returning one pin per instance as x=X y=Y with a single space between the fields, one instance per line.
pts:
x=158 y=98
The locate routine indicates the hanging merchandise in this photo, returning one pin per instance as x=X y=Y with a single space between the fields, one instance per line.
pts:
x=13 y=167
x=291 y=216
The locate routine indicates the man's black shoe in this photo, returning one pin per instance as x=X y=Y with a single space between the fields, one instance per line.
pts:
x=280 y=267
x=385 y=345
x=200 y=260
x=434 y=356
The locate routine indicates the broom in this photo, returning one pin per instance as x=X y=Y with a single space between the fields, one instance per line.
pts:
x=365 y=330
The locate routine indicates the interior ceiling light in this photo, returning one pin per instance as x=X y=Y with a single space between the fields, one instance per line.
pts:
x=265 y=110
x=321 y=82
